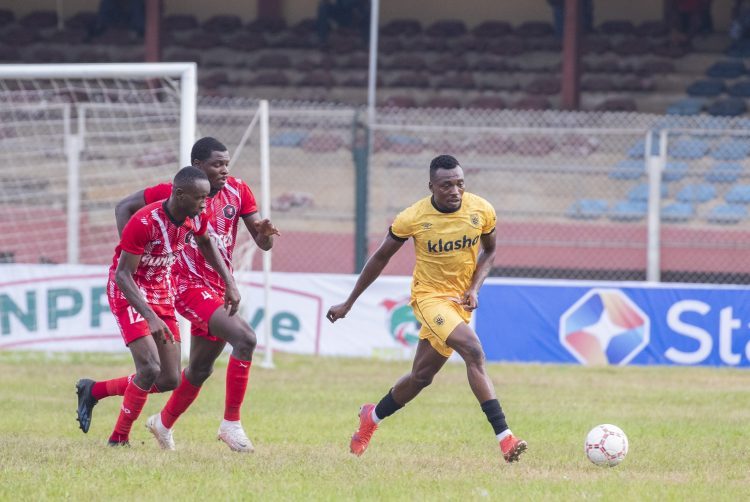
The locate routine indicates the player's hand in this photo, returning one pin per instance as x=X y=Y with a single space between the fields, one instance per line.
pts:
x=159 y=330
x=265 y=228
x=470 y=301
x=231 y=299
x=338 y=312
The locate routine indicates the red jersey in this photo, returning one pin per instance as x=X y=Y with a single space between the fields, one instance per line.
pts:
x=222 y=216
x=153 y=234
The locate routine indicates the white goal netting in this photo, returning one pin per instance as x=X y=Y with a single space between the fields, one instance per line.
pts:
x=72 y=146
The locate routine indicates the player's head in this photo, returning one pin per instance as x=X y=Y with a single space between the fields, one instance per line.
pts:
x=446 y=182
x=212 y=157
x=190 y=188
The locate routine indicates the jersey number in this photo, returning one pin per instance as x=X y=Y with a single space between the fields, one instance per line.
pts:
x=134 y=315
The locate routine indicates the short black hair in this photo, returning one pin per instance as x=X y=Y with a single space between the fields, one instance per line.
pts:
x=188 y=176
x=443 y=162
x=203 y=147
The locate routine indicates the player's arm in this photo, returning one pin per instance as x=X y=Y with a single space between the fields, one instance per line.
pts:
x=126 y=267
x=262 y=230
x=209 y=251
x=127 y=208
x=372 y=269
x=484 y=265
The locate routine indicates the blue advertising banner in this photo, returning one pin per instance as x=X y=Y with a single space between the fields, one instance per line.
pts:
x=614 y=323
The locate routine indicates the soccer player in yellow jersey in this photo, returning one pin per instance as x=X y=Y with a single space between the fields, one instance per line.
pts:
x=448 y=229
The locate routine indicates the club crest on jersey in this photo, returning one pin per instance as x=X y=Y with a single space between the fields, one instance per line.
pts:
x=439 y=320
x=426 y=226
x=474 y=220
x=229 y=211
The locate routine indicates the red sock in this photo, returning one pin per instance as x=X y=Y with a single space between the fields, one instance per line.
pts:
x=238 y=373
x=132 y=403
x=182 y=397
x=115 y=387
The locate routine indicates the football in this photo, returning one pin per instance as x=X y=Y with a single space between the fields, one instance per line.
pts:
x=606 y=445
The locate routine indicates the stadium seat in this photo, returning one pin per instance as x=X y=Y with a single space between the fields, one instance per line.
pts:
x=727 y=214
x=729 y=107
x=305 y=26
x=492 y=29
x=587 y=209
x=399 y=102
x=15 y=36
x=598 y=84
x=288 y=139
x=271 y=78
x=675 y=171
x=654 y=29
x=634 y=46
x=543 y=86
x=322 y=143
x=640 y=192
x=696 y=193
x=628 y=170
x=487 y=103
x=246 y=42
x=687 y=106
x=655 y=67
x=595 y=44
x=639 y=148
x=446 y=28
x=448 y=63
x=199 y=40
x=726 y=69
x=6 y=17
x=390 y=45
x=403 y=144
x=179 y=22
x=706 y=88
x=411 y=62
x=275 y=25
x=531 y=103
x=39 y=20
x=463 y=81
x=688 y=148
x=739 y=89
x=222 y=24
x=401 y=27
x=628 y=211
x=81 y=21
x=724 y=173
x=273 y=61
x=534 y=29
x=677 y=212
x=732 y=149
x=617 y=27
x=317 y=78
x=617 y=105
x=442 y=102
x=508 y=46
x=738 y=194
x=409 y=79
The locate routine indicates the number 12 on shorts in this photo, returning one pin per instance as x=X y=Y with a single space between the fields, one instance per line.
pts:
x=133 y=315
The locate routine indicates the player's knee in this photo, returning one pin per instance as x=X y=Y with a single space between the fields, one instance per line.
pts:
x=148 y=373
x=473 y=354
x=200 y=373
x=421 y=380
x=167 y=383
x=244 y=344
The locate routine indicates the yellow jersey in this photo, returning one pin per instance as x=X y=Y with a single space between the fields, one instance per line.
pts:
x=446 y=243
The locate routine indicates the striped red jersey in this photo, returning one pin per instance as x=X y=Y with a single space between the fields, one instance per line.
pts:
x=221 y=216
x=158 y=239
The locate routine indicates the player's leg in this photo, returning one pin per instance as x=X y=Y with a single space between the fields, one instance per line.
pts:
x=238 y=333
x=465 y=341
x=427 y=363
x=147 y=368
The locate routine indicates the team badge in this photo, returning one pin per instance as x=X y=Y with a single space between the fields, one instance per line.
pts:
x=439 y=320
x=229 y=211
x=426 y=226
x=474 y=220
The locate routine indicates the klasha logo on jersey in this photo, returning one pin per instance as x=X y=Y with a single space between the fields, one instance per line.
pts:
x=157 y=261
x=442 y=247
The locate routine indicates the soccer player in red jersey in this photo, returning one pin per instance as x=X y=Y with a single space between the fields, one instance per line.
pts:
x=198 y=299
x=141 y=293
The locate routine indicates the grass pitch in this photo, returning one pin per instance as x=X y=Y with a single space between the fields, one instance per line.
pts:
x=689 y=432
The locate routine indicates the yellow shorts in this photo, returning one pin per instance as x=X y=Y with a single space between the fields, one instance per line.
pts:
x=439 y=316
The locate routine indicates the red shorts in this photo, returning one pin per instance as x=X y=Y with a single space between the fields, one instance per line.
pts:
x=197 y=304
x=133 y=326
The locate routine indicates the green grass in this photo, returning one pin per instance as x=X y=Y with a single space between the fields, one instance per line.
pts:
x=688 y=431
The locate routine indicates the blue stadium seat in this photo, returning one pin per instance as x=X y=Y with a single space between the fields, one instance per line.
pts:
x=677 y=212
x=738 y=194
x=724 y=172
x=587 y=209
x=706 y=88
x=688 y=148
x=675 y=171
x=628 y=211
x=639 y=147
x=740 y=89
x=727 y=214
x=686 y=106
x=726 y=69
x=729 y=107
x=639 y=193
x=628 y=170
x=732 y=149
x=288 y=138
x=696 y=193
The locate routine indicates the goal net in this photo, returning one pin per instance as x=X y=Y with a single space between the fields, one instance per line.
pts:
x=75 y=139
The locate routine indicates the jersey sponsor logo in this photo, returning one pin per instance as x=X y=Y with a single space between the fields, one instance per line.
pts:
x=229 y=211
x=157 y=261
x=442 y=247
